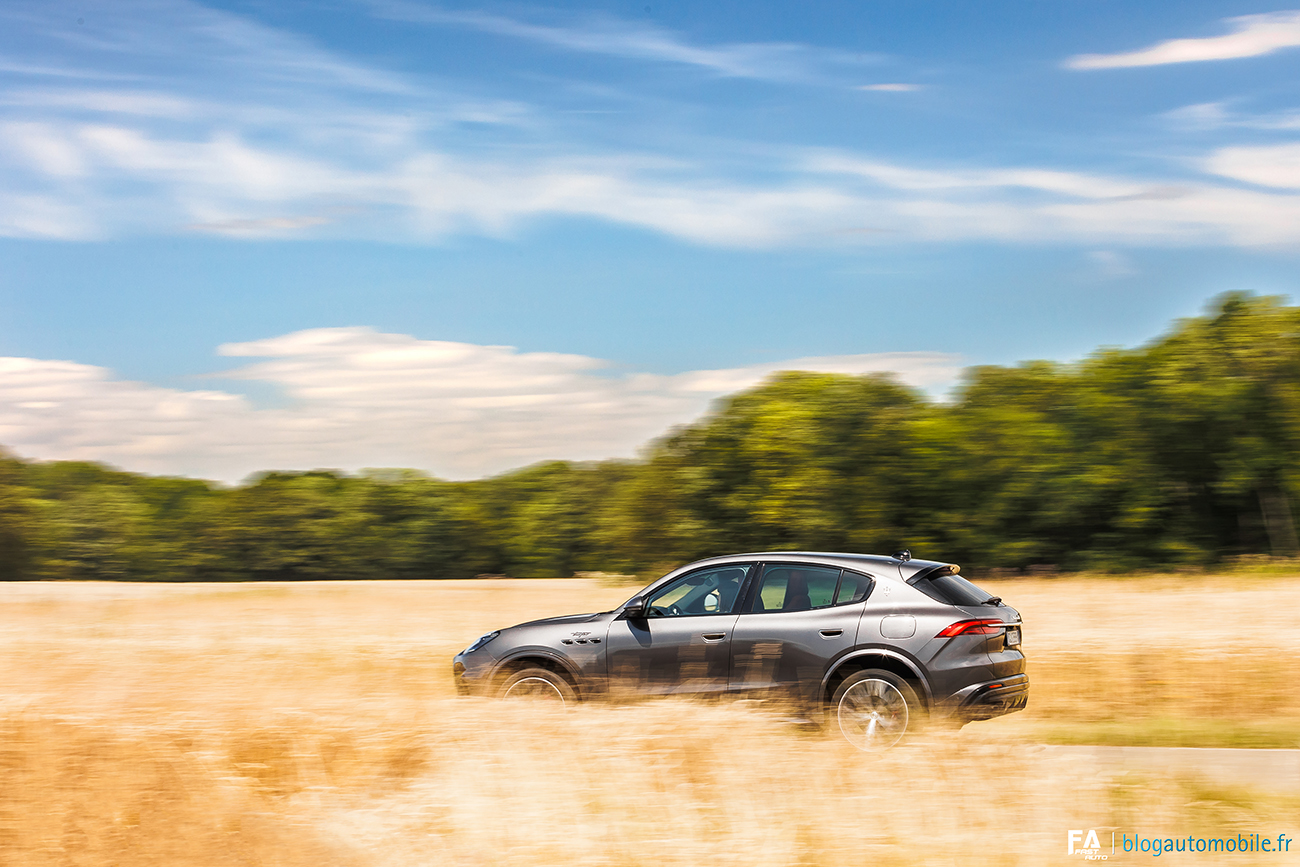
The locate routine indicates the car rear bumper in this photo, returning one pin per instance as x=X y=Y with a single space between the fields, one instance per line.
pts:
x=991 y=698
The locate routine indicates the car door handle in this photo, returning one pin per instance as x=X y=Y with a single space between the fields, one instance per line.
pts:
x=714 y=636
x=832 y=633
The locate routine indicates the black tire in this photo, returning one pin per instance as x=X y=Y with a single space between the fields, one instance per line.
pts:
x=874 y=709
x=537 y=684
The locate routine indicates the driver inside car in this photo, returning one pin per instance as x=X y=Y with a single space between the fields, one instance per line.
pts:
x=714 y=595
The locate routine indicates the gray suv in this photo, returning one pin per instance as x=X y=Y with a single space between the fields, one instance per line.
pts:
x=877 y=644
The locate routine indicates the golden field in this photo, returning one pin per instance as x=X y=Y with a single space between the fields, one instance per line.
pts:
x=315 y=724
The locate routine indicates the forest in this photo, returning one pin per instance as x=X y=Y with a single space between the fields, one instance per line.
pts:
x=1180 y=453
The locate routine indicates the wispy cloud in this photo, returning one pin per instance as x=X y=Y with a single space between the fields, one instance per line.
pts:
x=364 y=398
x=892 y=87
x=1030 y=204
x=1217 y=115
x=1268 y=166
x=1250 y=36
x=129 y=102
x=1201 y=116
x=260 y=228
x=1111 y=264
x=300 y=143
x=35 y=215
x=227 y=184
x=38 y=70
x=1073 y=184
x=773 y=61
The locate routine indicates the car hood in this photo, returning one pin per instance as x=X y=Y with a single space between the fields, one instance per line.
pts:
x=568 y=618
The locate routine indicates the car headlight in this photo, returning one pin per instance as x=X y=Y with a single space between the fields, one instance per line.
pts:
x=482 y=641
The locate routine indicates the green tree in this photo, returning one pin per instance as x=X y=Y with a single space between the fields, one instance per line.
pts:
x=17 y=520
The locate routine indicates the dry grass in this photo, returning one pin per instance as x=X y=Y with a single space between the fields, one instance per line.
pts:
x=1195 y=661
x=314 y=724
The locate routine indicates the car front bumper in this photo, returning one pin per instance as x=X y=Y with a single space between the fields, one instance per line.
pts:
x=470 y=673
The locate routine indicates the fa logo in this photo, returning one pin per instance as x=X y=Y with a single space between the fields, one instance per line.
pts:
x=1091 y=847
x=1089 y=842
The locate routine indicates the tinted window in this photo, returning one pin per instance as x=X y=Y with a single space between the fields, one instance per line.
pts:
x=709 y=591
x=771 y=593
x=952 y=589
x=853 y=588
x=821 y=587
x=796 y=588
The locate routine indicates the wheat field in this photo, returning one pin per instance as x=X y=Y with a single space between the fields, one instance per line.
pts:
x=315 y=724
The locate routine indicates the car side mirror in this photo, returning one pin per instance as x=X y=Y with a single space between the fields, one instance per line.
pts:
x=635 y=610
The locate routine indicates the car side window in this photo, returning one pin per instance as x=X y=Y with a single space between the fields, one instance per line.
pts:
x=709 y=591
x=853 y=588
x=795 y=588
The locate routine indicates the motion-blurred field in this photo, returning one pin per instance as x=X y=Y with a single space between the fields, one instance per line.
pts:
x=284 y=724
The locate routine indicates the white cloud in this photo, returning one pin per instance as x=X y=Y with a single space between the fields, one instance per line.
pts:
x=304 y=144
x=1111 y=265
x=1251 y=36
x=260 y=228
x=77 y=172
x=45 y=148
x=1214 y=215
x=141 y=103
x=1037 y=205
x=1282 y=120
x=35 y=215
x=1045 y=180
x=637 y=41
x=1216 y=116
x=1202 y=116
x=192 y=37
x=37 y=70
x=1268 y=166
x=227 y=184
x=363 y=398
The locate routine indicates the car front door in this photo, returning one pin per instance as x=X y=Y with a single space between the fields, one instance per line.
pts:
x=683 y=643
x=797 y=620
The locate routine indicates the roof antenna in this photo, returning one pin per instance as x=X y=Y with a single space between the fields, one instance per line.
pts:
x=903 y=555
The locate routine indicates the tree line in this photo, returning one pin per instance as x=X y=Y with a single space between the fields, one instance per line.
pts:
x=1184 y=451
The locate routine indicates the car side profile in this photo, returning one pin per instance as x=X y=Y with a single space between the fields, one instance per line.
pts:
x=879 y=644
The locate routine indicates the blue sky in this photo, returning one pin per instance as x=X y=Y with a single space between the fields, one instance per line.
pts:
x=249 y=235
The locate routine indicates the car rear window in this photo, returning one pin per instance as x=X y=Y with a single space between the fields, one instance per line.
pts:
x=951 y=590
x=853 y=588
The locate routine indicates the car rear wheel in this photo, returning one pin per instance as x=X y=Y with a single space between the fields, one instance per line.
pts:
x=538 y=684
x=875 y=708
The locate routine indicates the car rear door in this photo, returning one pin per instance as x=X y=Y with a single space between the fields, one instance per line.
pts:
x=797 y=620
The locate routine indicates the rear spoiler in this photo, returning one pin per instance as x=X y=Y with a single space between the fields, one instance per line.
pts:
x=941 y=569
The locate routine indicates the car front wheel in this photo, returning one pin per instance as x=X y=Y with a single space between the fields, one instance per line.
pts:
x=875 y=708
x=538 y=684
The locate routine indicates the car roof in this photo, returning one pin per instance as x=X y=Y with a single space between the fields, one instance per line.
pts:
x=906 y=568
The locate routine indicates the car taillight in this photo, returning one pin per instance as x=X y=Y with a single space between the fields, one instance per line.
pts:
x=971 y=627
